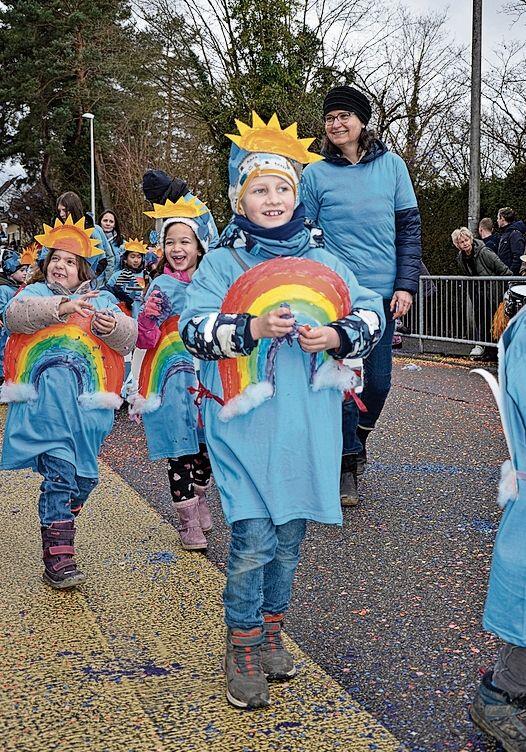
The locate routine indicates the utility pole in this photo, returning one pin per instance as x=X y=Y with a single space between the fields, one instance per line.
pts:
x=474 y=139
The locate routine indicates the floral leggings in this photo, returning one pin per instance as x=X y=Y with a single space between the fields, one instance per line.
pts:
x=188 y=471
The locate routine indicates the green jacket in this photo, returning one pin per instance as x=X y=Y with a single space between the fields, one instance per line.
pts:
x=487 y=263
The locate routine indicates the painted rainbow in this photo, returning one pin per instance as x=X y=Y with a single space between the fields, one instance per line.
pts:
x=98 y=369
x=315 y=294
x=160 y=364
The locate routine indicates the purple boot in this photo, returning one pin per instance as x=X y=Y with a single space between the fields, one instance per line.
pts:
x=205 y=518
x=189 y=527
x=57 y=545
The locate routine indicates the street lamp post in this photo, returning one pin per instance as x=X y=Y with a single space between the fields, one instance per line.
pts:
x=474 y=145
x=89 y=116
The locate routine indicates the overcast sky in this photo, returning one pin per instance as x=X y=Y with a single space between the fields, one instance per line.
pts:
x=495 y=23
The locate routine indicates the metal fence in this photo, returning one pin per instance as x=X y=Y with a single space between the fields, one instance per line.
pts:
x=457 y=309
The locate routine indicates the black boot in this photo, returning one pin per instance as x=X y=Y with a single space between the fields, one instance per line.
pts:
x=349 y=481
x=57 y=545
x=361 y=457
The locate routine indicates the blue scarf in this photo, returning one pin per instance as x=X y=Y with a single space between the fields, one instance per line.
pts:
x=290 y=239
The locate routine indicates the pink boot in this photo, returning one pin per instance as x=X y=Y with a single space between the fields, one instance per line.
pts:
x=190 y=532
x=205 y=518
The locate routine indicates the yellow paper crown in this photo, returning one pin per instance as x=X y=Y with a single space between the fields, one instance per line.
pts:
x=273 y=139
x=135 y=246
x=29 y=255
x=70 y=236
x=185 y=208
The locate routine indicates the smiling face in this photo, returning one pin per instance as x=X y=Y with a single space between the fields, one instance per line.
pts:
x=269 y=201
x=181 y=248
x=134 y=260
x=63 y=269
x=342 y=134
x=107 y=222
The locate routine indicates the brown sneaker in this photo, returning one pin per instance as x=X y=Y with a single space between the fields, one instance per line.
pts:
x=246 y=684
x=58 y=554
x=276 y=661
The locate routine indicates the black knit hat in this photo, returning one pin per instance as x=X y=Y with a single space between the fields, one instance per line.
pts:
x=158 y=186
x=347 y=98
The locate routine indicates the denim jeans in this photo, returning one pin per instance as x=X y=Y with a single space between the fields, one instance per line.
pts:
x=261 y=565
x=377 y=376
x=63 y=492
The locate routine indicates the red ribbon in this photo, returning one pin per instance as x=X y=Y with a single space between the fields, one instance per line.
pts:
x=359 y=404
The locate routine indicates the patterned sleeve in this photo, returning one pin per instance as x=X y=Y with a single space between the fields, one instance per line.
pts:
x=358 y=332
x=219 y=335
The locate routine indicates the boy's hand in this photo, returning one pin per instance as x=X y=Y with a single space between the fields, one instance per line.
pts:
x=103 y=322
x=80 y=305
x=318 y=339
x=273 y=324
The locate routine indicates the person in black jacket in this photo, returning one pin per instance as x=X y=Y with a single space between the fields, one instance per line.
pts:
x=512 y=242
x=476 y=260
x=488 y=237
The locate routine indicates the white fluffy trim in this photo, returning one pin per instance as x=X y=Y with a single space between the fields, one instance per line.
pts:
x=251 y=397
x=334 y=374
x=139 y=405
x=508 y=490
x=11 y=392
x=96 y=400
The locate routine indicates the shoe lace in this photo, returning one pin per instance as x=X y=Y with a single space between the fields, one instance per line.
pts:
x=273 y=640
x=248 y=659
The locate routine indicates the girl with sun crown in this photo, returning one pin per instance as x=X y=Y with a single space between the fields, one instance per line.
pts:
x=128 y=282
x=63 y=373
x=169 y=413
x=274 y=308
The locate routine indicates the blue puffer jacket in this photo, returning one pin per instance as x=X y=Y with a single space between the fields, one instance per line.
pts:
x=369 y=215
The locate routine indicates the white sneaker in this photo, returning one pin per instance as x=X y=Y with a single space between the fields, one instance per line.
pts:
x=477 y=352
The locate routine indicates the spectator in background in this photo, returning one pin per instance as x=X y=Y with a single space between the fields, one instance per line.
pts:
x=489 y=237
x=476 y=260
x=512 y=242
x=110 y=226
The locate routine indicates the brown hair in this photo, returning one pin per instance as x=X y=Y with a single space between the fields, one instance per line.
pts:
x=365 y=141
x=40 y=273
x=486 y=223
x=72 y=204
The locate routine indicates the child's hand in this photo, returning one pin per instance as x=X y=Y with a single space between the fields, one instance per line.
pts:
x=80 y=305
x=273 y=324
x=103 y=322
x=152 y=306
x=318 y=339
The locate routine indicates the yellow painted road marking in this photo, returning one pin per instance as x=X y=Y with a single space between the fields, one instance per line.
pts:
x=130 y=662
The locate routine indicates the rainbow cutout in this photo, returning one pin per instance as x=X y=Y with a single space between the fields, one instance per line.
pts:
x=316 y=296
x=98 y=369
x=159 y=365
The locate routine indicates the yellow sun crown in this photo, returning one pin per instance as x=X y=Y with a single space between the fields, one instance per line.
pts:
x=135 y=246
x=70 y=236
x=30 y=254
x=271 y=138
x=185 y=208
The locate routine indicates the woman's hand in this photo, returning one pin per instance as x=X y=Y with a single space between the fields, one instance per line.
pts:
x=80 y=305
x=318 y=339
x=152 y=306
x=276 y=323
x=401 y=302
x=103 y=322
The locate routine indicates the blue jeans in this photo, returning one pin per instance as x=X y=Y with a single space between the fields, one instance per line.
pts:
x=63 y=492
x=261 y=565
x=377 y=376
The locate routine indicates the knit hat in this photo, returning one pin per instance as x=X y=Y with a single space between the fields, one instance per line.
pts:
x=187 y=210
x=348 y=98
x=266 y=149
x=158 y=186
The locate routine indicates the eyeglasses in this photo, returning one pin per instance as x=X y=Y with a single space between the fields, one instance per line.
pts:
x=343 y=117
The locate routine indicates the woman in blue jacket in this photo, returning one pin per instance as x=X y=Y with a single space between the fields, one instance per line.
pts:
x=362 y=198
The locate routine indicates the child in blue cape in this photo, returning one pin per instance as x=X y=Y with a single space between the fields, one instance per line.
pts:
x=110 y=226
x=168 y=408
x=128 y=282
x=63 y=369
x=275 y=447
x=499 y=707
x=15 y=267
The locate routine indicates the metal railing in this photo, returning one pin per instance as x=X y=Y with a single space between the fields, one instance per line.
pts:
x=457 y=309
